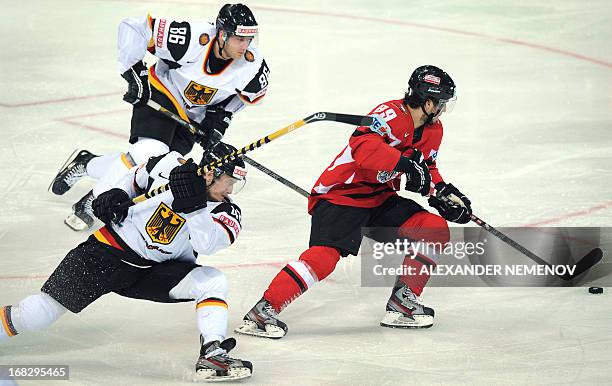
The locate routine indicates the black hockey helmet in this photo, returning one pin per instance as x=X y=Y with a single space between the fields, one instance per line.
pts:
x=430 y=82
x=234 y=168
x=237 y=19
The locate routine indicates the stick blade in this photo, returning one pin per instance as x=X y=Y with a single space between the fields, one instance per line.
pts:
x=584 y=264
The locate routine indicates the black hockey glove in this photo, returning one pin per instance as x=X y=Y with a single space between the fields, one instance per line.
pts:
x=188 y=189
x=214 y=124
x=418 y=178
x=139 y=90
x=456 y=208
x=105 y=206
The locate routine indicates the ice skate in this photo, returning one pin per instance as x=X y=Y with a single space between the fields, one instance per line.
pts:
x=215 y=365
x=405 y=310
x=82 y=217
x=262 y=321
x=73 y=170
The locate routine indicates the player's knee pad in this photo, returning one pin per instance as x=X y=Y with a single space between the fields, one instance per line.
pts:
x=36 y=312
x=426 y=226
x=320 y=260
x=144 y=148
x=201 y=283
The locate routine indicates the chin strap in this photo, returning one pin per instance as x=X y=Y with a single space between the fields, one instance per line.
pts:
x=430 y=117
x=221 y=48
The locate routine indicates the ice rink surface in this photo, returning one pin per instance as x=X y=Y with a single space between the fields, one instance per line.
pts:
x=530 y=142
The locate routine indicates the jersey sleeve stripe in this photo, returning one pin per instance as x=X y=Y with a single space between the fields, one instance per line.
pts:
x=155 y=82
x=151 y=44
x=254 y=101
x=227 y=229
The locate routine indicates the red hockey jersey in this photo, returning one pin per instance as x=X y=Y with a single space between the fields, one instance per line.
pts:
x=362 y=174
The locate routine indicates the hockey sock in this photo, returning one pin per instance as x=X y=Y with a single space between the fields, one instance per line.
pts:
x=433 y=231
x=316 y=263
x=145 y=148
x=97 y=166
x=35 y=312
x=211 y=314
x=417 y=281
x=209 y=287
x=113 y=173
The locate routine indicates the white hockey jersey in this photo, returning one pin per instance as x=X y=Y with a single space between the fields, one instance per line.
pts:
x=155 y=232
x=182 y=73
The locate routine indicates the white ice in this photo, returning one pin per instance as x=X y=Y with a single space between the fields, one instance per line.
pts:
x=529 y=141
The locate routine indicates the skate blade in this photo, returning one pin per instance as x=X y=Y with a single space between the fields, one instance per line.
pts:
x=250 y=328
x=70 y=159
x=397 y=320
x=75 y=223
x=233 y=374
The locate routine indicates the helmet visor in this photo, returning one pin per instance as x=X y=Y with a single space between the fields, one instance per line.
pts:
x=446 y=105
x=238 y=179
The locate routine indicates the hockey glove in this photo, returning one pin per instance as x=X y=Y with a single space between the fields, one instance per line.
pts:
x=214 y=124
x=418 y=178
x=456 y=207
x=105 y=206
x=139 y=90
x=188 y=189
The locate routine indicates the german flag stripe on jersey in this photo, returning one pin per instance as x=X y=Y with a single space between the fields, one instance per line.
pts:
x=211 y=302
x=155 y=82
x=104 y=236
x=151 y=44
x=7 y=324
x=127 y=161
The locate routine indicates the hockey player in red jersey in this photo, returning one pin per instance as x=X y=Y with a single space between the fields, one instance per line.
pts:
x=358 y=189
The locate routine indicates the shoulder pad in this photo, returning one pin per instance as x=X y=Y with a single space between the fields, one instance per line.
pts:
x=228 y=216
x=179 y=36
x=153 y=161
x=258 y=85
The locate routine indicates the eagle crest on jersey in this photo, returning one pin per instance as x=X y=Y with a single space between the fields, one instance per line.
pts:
x=198 y=94
x=164 y=225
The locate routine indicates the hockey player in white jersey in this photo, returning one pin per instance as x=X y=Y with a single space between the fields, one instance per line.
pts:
x=205 y=73
x=149 y=252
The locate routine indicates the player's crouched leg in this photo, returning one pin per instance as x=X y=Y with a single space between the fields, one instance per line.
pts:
x=86 y=273
x=208 y=286
x=36 y=312
x=315 y=264
x=404 y=308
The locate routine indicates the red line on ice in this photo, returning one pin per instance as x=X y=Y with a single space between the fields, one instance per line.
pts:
x=60 y=100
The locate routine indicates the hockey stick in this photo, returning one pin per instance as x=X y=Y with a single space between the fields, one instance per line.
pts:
x=357 y=120
x=582 y=265
x=195 y=130
x=277 y=177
